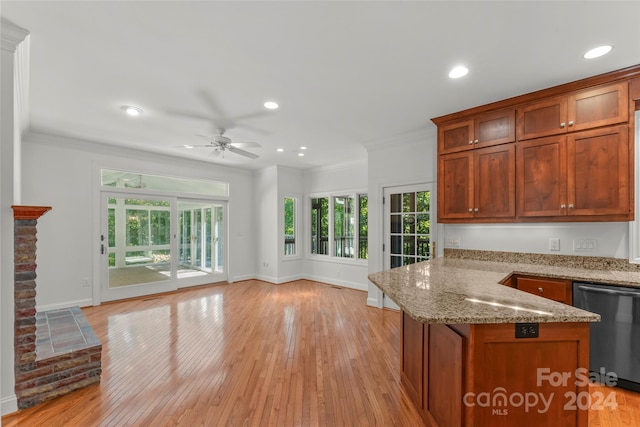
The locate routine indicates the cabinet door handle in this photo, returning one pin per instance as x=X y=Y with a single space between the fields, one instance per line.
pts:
x=476 y=209
x=470 y=210
x=563 y=124
x=475 y=142
x=470 y=142
x=563 y=206
x=540 y=290
x=571 y=206
x=571 y=123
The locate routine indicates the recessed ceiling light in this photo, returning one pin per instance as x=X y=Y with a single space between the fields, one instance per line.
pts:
x=300 y=154
x=280 y=150
x=270 y=105
x=188 y=146
x=303 y=148
x=597 y=51
x=458 y=72
x=131 y=110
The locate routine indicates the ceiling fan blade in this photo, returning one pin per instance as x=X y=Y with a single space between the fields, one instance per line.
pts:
x=246 y=144
x=188 y=114
x=194 y=146
x=242 y=152
x=211 y=102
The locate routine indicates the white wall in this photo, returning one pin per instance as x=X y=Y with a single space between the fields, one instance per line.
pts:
x=63 y=173
x=334 y=180
x=265 y=217
x=611 y=237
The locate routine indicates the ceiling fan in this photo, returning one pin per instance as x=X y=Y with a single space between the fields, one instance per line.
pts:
x=220 y=143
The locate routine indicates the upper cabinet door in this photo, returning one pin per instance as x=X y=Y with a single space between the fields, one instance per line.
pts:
x=495 y=182
x=498 y=127
x=598 y=172
x=455 y=186
x=600 y=106
x=544 y=118
x=495 y=128
x=455 y=137
x=541 y=166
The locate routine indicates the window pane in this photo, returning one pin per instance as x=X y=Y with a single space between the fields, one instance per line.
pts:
x=137 y=227
x=160 y=230
x=409 y=202
x=363 y=226
x=424 y=201
x=320 y=225
x=289 y=226
x=343 y=226
x=396 y=203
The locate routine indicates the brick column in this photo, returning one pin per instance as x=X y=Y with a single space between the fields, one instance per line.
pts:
x=25 y=221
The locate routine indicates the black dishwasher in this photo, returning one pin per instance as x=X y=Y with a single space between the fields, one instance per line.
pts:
x=615 y=340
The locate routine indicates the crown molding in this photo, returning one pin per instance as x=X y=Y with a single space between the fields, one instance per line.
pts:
x=11 y=35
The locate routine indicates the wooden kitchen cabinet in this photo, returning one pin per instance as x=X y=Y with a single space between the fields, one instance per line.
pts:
x=555 y=289
x=598 y=173
x=478 y=183
x=584 y=174
x=446 y=368
x=542 y=177
x=485 y=130
x=594 y=107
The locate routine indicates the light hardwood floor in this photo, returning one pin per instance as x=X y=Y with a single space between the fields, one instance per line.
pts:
x=250 y=354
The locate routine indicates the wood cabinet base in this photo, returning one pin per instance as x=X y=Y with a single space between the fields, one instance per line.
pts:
x=481 y=375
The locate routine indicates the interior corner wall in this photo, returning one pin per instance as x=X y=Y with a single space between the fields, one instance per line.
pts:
x=333 y=180
x=60 y=172
x=265 y=217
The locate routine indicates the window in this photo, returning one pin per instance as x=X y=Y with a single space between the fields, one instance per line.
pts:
x=343 y=225
x=348 y=226
x=363 y=226
x=320 y=226
x=289 y=226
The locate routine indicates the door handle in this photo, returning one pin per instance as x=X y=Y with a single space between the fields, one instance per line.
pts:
x=102 y=250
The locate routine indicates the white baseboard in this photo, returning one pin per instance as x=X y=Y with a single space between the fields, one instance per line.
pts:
x=372 y=302
x=241 y=278
x=9 y=404
x=342 y=283
x=77 y=303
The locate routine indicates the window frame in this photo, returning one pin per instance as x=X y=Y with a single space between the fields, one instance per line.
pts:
x=296 y=228
x=355 y=195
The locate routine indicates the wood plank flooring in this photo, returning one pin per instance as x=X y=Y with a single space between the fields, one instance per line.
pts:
x=250 y=354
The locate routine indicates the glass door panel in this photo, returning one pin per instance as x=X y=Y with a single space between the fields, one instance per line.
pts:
x=201 y=239
x=407 y=227
x=137 y=244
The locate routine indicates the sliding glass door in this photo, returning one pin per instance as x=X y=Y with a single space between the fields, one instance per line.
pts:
x=154 y=244
x=201 y=228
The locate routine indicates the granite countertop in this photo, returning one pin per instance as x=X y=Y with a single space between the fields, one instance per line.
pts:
x=461 y=291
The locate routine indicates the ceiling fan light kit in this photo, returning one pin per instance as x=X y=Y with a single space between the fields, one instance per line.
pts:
x=220 y=143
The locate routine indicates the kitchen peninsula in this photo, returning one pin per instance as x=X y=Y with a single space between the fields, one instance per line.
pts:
x=475 y=352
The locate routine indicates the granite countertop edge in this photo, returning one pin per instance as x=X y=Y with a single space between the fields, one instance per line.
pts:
x=461 y=291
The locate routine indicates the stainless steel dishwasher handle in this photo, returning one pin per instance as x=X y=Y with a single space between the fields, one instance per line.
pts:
x=610 y=291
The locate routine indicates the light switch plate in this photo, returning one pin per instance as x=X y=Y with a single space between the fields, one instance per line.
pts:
x=554 y=243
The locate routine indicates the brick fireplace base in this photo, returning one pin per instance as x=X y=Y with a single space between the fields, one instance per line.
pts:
x=56 y=352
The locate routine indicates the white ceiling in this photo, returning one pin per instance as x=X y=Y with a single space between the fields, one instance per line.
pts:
x=346 y=74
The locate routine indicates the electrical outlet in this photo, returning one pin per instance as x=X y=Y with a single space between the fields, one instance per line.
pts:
x=584 y=245
x=85 y=282
x=452 y=242
x=527 y=330
x=554 y=243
